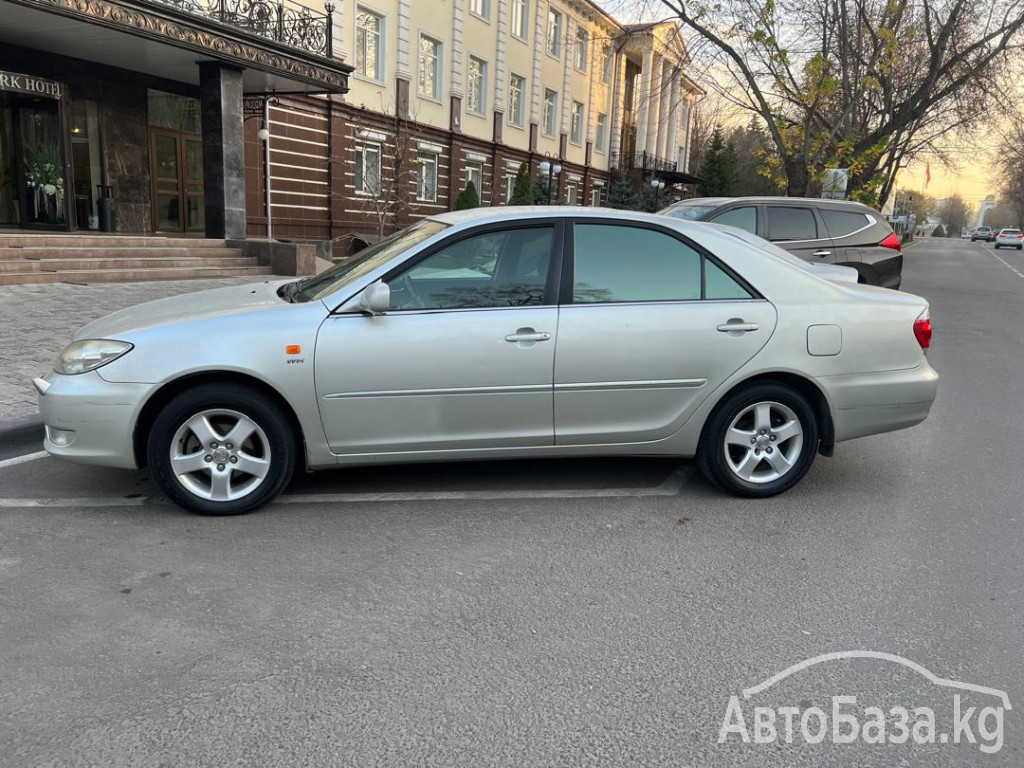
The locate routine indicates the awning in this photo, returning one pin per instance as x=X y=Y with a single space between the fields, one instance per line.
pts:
x=676 y=177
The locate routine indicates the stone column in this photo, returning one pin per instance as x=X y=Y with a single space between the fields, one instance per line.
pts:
x=654 y=108
x=645 y=98
x=220 y=93
x=672 y=154
x=618 y=75
x=664 y=109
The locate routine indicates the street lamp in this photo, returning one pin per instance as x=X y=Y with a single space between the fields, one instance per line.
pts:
x=552 y=170
x=658 y=185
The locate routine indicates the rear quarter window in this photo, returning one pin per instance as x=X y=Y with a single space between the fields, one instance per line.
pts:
x=785 y=223
x=842 y=223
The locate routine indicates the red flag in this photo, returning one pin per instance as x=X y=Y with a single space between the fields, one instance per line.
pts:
x=927 y=174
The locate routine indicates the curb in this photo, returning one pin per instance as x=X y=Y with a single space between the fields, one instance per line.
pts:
x=22 y=433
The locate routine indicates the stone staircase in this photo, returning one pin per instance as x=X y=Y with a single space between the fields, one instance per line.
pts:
x=71 y=258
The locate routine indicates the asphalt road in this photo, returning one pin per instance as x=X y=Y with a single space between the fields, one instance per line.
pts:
x=568 y=613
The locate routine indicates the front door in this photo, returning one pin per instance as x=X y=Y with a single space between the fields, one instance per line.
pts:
x=644 y=335
x=462 y=360
x=177 y=170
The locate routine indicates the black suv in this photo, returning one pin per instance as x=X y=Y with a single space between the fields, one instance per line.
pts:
x=818 y=231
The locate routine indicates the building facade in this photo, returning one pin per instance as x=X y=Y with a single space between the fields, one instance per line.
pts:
x=340 y=122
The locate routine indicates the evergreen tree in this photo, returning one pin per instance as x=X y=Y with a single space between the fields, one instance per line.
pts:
x=522 y=194
x=651 y=199
x=621 y=194
x=468 y=198
x=718 y=169
x=938 y=231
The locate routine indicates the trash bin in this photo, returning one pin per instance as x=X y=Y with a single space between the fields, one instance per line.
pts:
x=105 y=206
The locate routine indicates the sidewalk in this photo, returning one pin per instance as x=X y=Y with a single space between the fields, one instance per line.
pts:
x=37 y=321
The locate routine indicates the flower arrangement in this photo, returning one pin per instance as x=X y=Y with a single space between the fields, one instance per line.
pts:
x=45 y=178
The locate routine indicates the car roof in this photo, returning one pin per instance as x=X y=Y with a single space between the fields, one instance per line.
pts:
x=503 y=212
x=772 y=199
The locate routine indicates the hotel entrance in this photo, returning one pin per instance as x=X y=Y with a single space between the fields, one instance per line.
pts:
x=176 y=160
x=33 y=165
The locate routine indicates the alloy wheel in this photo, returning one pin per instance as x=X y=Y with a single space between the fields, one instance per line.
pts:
x=220 y=455
x=764 y=442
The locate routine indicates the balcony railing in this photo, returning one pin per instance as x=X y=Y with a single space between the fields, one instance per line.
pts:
x=628 y=161
x=285 y=22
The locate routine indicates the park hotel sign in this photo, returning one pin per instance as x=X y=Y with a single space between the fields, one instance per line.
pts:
x=30 y=85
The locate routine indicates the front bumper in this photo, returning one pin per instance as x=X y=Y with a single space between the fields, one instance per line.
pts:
x=872 y=403
x=90 y=420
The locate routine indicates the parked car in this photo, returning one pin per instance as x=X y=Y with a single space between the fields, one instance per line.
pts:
x=818 y=231
x=964 y=233
x=1010 y=238
x=983 y=233
x=496 y=333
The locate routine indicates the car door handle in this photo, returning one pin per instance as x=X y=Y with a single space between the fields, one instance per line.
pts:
x=822 y=254
x=737 y=327
x=527 y=334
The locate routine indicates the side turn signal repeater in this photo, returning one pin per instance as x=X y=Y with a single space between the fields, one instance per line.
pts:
x=293 y=349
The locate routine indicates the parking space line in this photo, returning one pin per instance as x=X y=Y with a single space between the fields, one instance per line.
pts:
x=669 y=487
x=1003 y=261
x=23 y=459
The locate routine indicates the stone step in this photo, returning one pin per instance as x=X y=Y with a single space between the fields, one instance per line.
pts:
x=115 y=253
x=105 y=241
x=66 y=265
x=129 y=275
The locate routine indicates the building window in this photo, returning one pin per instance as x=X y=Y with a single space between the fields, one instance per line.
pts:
x=595 y=197
x=476 y=93
x=607 y=62
x=426 y=177
x=510 y=185
x=570 y=193
x=582 y=48
x=550 y=112
x=521 y=19
x=367 y=169
x=576 y=129
x=475 y=174
x=554 y=33
x=430 y=68
x=480 y=8
x=516 y=93
x=369 y=52
x=601 y=140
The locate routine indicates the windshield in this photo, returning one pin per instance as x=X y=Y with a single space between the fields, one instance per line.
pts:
x=364 y=262
x=688 y=211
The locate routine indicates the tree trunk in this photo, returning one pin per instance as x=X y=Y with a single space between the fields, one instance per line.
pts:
x=798 y=178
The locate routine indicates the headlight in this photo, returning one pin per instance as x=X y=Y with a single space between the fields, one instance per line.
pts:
x=88 y=355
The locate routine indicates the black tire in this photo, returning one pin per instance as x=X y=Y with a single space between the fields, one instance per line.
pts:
x=262 y=410
x=712 y=453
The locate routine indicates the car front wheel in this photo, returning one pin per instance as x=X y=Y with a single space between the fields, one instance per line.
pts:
x=759 y=441
x=221 y=449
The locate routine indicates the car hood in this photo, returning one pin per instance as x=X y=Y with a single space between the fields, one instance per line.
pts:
x=217 y=302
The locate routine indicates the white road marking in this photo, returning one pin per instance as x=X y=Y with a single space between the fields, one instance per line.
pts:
x=23 y=459
x=1003 y=261
x=669 y=487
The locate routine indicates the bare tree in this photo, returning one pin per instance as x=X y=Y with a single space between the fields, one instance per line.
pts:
x=861 y=84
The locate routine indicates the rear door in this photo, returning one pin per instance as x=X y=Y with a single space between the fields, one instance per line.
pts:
x=649 y=325
x=850 y=232
x=799 y=230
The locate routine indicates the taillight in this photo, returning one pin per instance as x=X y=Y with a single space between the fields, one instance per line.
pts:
x=923 y=331
x=892 y=241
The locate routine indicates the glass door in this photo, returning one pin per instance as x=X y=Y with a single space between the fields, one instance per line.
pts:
x=177 y=161
x=10 y=211
x=40 y=134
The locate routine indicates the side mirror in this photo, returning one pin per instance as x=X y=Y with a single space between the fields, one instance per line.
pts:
x=375 y=298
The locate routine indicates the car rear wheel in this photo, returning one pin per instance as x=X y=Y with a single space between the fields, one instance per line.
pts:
x=221 y=449
x=760 y=441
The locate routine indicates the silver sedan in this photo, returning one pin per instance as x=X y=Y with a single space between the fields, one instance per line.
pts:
x=526 y=332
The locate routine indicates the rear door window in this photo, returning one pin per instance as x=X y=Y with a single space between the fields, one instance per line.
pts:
x=842 y=223
x=742 y=218
x=786 y=223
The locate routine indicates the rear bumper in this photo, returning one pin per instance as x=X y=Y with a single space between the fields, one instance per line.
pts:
x=872 y=403
x=89 y=420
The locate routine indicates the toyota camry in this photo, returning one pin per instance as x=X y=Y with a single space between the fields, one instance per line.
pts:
x=496 y=333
